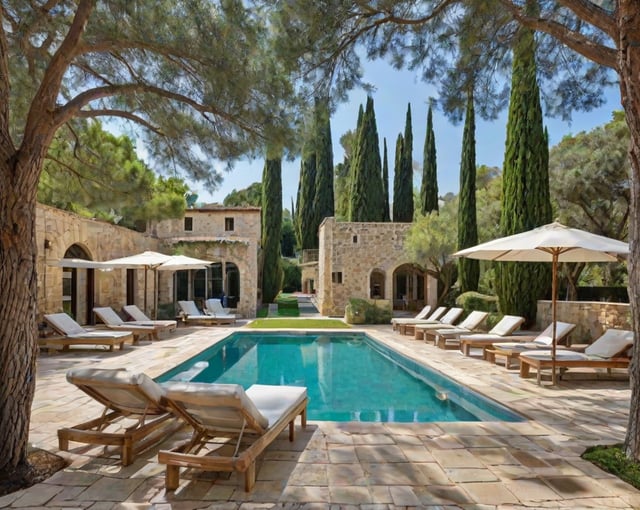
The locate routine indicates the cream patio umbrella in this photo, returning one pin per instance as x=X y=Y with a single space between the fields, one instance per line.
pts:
x=550 y=243
x=145 y=260
x=156 y=262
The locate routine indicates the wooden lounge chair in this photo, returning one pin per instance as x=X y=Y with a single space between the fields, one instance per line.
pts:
x=231 y=427
x=510 y=351
x=74 y=334
x=214 y=307
x=448 y=319
x=401 y=324
x=422 y=314
x=112 y=320
x=609 y=351
x=139 y=317
x=468 y=325
x=135 y=416
x=503 y=330
x=191 y=313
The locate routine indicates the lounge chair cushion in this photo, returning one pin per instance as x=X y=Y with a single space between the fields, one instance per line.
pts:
x=611 y=343
x=215 y=405
x=65 y=324
x=507 y=325
x=473 y=320
x=108 y=315
x=109 y=383
x=189 y=307
x=273 y=402
x=544 y=339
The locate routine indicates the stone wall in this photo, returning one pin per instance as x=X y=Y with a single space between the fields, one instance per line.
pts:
x=591 y=318
x=57 y=231
x=348 y=254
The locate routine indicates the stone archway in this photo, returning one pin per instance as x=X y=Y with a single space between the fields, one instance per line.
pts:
x=376 y=284
x=409 y=287
x=78 y=287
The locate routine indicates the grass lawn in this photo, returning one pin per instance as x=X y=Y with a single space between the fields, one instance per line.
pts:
x=281 y=323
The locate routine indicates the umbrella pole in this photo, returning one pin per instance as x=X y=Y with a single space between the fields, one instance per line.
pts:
x=554 y=285
x=145 y=289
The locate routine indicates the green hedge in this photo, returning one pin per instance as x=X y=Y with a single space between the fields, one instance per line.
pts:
x=287 y=305
x=360 y=311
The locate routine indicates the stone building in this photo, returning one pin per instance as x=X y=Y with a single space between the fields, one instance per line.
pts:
x=227 y=236
x=367 y=260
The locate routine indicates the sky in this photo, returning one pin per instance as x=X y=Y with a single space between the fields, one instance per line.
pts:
x=394 y=89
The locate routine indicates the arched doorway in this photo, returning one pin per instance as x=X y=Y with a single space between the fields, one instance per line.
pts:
x=78 y=287
x=409 y=287
x=376 y=284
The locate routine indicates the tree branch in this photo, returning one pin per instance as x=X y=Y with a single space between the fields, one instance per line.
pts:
x=577 y=42
x=593 y=14
x=92 y=114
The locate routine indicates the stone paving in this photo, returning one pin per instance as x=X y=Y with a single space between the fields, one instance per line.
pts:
x=366 y=466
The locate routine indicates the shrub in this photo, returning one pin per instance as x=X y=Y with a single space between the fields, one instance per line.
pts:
x=287 y=305
x=471 y=301
x=292 y=280
x=361 y=311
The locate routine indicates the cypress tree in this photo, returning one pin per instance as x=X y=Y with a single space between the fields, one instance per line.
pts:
x=468 y=269
x=526 y=200
x=366 y=201
x=271 y=228
x=397 y=170
x=323 y=202
x=308 y=236
x=429 y=188
x=403 y=178
x=385 y=182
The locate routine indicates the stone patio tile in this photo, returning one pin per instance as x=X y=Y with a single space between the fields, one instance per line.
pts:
x=456 y=458
x=403 y=496
x=310 y=474
x=416 y=453
x=373 y=439
x=529 y=460
x=351 y=495
x=380 y=453
x=531 y=490
x=461 y=475
x=314 y=457
x=75 y=478
x=39 y=496
x=434 y=473
x=345 y=474
x=395 y=474
x=381 y=494
x=494 y=456
x=432 y=495
x=275 y=470
x=479 y=441
x=446 y=442
x=342 y=454
x=296 y=493
x=489 y=493
x=571 y=487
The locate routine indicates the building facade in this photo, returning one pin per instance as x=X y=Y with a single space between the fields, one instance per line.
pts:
x=367 y=260
x=229 y=237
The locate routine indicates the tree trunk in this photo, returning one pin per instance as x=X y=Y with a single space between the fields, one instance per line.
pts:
x=18 y=288
x=629 y=73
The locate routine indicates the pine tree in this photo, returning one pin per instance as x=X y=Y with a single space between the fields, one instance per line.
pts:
x=366 y=201
x=429 y=188
x=271 y=228
x=403 y=178
x=385 y=182
x=526 y=200
x=323 y=202
x=468 y=269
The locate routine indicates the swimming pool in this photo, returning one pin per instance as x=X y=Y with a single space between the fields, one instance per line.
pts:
x=349 y=377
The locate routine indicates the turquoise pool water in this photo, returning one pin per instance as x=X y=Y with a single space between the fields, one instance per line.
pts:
x=349 y=377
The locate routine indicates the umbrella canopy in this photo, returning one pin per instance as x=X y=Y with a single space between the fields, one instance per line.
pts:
x=144 y=260
x=550 y=243
x=182 y=262
x=81 y=264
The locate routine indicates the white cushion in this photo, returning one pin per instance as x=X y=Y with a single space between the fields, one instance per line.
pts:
x=473 y=320
x=190 y=308
x=507 y=325
x=108 y=316
x=612 y=342
x=64 y=323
